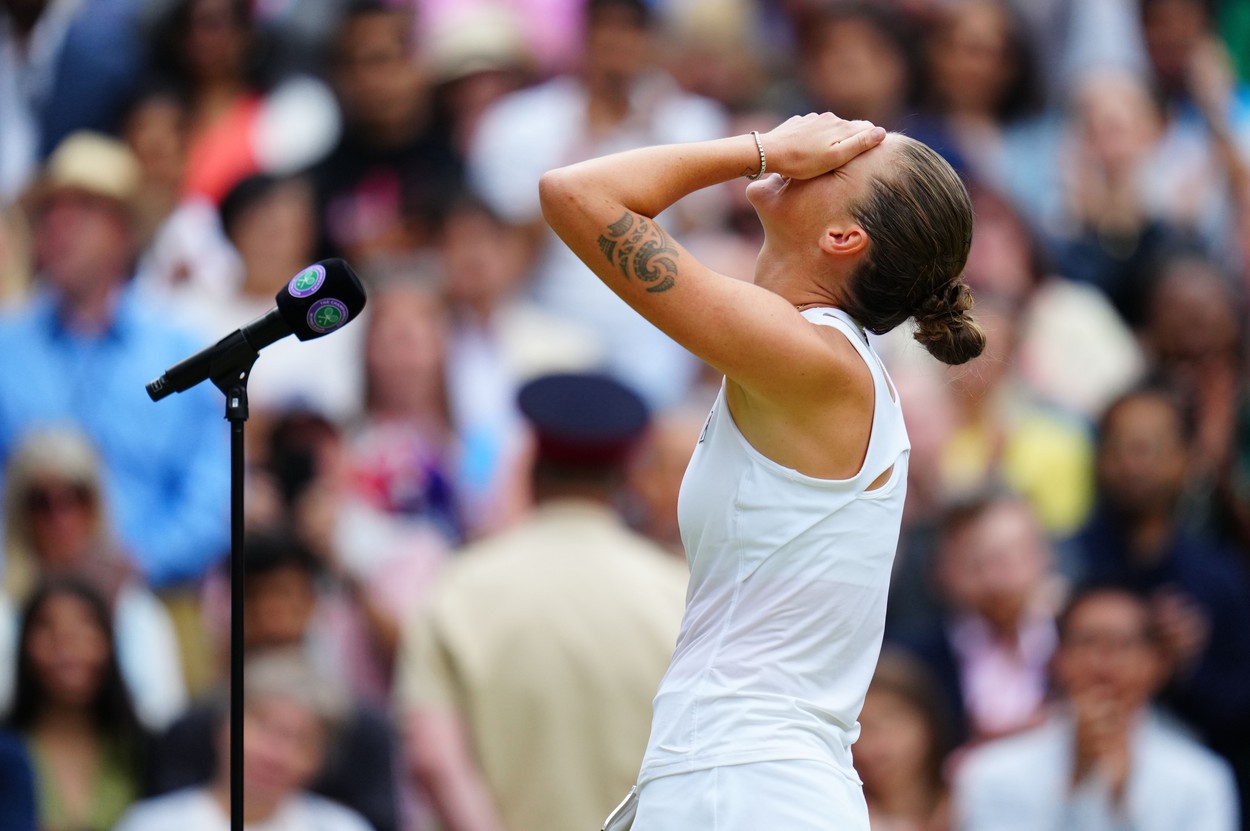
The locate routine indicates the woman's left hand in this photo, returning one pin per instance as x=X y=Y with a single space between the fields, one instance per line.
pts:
x=807 y=146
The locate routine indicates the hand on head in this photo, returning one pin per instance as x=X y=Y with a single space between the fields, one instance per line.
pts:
x=807 y=146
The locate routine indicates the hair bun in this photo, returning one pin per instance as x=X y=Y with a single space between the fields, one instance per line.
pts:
x=945 y=327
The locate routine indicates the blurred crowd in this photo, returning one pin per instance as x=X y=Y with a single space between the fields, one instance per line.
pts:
x=463 y=569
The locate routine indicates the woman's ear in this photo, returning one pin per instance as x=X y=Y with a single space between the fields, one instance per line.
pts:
x=844 y=241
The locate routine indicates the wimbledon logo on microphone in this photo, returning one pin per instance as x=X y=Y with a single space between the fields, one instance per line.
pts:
x=306 y=283
x=326 y=315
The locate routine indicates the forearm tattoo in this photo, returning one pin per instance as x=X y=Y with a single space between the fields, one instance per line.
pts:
x=641 y=249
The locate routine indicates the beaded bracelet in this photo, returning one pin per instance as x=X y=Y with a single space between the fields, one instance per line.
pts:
x=763 y=161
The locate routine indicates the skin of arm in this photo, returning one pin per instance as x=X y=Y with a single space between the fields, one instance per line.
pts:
x=792 y=385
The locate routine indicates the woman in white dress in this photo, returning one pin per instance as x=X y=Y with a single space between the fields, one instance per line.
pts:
x=791 y=505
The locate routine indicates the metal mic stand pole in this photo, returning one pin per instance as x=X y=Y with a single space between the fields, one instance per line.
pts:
x=234 y=385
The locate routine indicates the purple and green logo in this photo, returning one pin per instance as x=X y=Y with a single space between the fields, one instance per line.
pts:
x=326 y=315
x=307 y=281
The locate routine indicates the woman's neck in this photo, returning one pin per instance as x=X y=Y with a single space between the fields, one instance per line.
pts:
x=58 y=721
x=255 y=809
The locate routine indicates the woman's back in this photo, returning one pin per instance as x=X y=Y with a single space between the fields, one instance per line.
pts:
x=789 y=576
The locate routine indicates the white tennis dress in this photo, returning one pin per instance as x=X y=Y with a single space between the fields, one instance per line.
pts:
x=754 y=720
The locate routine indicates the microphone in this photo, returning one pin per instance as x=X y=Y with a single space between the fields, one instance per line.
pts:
x=321 y=298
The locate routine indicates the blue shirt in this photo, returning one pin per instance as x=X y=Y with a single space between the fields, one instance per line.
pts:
x=167 y=471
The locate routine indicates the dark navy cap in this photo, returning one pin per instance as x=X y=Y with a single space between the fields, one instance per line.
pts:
x=583 y=418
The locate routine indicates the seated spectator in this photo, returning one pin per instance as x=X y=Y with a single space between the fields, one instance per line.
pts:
x=87 y=344
x=288 y=606
x=1196 y=587
x=270 y=223
x=240 y=112
x=55 y=525
x=902 y=748
x=72 y=711
x=498 y=339
x=391 y=170
x=991 y=650
x=290 y=714
x=1194 y=331
x=1103 y=760
x=618 y=97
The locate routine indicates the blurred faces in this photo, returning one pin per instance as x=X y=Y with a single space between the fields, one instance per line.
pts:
x=1142 y=456
x=63 y=519
x=1193 y=316
x=216 y=39
x=995 y=563
x=1172 y=29
x=484 y=260
x=971 y=59
x=280 y=604
x=275 y=236
x=1119 y=122
x=618 y=50
x=377 y=79
x=83 y=242
x=68 y=651
x=1106 y=653
x=405 y=347
x=856 y=70
x=283 y=747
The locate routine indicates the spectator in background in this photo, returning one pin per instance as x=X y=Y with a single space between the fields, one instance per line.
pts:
x=1195 y=587
x=56 y=525
x=1104 y=760
x=1194 y=331
x=271 y=224
x=616 y=99
x=290 y=715
x=855 y=60
x=87 y=344
x=64 y=67
x=498 y=339
x=186 y=259
x=375 y=566
x=404 y=453
x=478 y=57
x=981 y=84
x=902 y=747
x=1103 y=225
x=243 y=117
x=525 y=681
x=289 y=606
x=72 y=710
x=379 y=189
x=991 y=650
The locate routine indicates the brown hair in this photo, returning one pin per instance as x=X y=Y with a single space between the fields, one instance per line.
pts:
x=919 y=222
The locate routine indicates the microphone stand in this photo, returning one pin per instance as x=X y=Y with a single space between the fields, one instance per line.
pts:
x=234 y=384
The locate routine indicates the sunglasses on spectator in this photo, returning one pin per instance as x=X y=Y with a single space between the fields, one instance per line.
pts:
x=46 y=500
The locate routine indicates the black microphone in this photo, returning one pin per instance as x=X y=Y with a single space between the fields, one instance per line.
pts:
x=318 y=300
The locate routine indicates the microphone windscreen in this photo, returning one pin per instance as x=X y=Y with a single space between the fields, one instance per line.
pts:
x=321 y=298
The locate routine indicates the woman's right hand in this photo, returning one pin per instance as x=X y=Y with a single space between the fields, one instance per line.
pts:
x=807 y=146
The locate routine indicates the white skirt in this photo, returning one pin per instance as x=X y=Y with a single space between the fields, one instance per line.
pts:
x=788 y=795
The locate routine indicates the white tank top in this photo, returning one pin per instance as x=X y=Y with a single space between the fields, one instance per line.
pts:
x=786 y=604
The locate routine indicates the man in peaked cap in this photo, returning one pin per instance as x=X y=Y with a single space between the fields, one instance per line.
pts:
x=82 y=349
x=525 y=683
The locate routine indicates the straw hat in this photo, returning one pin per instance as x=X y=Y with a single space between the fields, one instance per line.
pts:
x=89 y=163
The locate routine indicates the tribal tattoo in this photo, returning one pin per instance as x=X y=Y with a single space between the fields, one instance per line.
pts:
x=641 y=249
